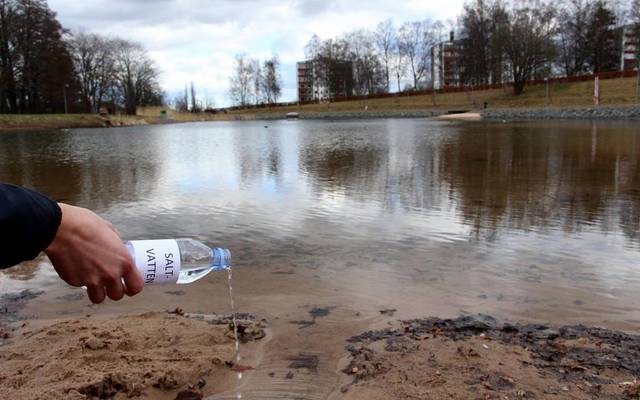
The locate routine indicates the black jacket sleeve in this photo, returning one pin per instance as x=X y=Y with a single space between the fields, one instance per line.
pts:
x=28 y=223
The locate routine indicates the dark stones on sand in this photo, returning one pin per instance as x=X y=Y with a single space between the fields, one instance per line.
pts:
x=306 y=361
x=596 y=349
x=189 y=394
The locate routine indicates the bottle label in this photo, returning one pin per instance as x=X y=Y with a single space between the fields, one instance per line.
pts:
x=157 y=260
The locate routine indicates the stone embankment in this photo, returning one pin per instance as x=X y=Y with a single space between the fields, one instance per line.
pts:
x=583 y=113
x=507 y=114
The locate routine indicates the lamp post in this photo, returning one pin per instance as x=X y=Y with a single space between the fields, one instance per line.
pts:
x=64 y=91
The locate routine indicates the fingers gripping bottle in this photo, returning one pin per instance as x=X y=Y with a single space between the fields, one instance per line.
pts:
x=178 y=261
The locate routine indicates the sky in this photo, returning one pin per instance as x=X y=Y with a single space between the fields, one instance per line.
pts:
x=197 y=40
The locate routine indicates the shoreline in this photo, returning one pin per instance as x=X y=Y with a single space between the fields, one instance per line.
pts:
x=472 y=356
x=163 y=355
x=565 y=113
x=612 y=113
x=13 y=123
x=25 y=122
x=310 y=340
x=479 y=357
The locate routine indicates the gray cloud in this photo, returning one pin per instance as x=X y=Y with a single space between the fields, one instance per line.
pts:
x=313 y=7
x=196 y=40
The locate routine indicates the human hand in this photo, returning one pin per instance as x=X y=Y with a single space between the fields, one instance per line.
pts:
x=87 y=251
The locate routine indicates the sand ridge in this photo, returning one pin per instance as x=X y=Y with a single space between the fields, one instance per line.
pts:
x=153 y=355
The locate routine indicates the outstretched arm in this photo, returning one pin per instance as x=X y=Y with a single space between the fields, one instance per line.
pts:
x=28 y=223
x=85 y=249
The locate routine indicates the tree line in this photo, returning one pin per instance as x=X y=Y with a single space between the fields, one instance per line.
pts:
x=255 y=82
x=45 y=68
x=496 y=42
x=190 y=102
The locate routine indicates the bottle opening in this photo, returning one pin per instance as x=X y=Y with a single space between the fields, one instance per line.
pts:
x=221 y=258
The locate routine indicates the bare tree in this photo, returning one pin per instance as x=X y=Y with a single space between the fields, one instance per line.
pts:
x=634 y=19
x=136 y=76
x=399 y=66
x=43 y=68
x=481 y=45
x=573 y=45
x=195 y=107
x=415 y=41
x=528 y=40
x=209 y=102
x=8 y=57
x=241 y=82
x=313 y=47
x=620 y=9
x=634 y=12
x=410 y=39
x=258 y=81
x=181 y=102
x=386 y=37
x=272 y=87
x=94 y=64
x=36 y=69
x=333 y=69
x=368 y=70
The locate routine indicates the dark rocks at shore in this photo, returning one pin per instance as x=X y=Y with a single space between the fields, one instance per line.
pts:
x=568 y=113
x=12 y=303
x=507 y=114
x=309 y=362
x=250 y=327
x=573 y=353
x=189 y=394
x=10 y=306
x=315 y=312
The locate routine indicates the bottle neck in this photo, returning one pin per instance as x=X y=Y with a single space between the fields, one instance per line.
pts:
x=221 y=258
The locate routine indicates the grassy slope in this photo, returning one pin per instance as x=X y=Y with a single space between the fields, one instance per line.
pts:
x=613 y=92
x=60 y=121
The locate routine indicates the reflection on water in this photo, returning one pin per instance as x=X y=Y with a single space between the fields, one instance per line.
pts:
x=422 y=197
x=568 y=177
x=536 y=221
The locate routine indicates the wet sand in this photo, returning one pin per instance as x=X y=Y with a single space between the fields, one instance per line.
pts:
x=479 y=358
x=311 y=316
x=150 y=355
x=466 y=116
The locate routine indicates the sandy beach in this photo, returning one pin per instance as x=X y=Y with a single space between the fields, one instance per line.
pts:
x=151 y=356
x=170 y=355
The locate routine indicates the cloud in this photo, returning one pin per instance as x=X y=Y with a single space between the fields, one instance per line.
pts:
x=312 y=7
x=196 y=40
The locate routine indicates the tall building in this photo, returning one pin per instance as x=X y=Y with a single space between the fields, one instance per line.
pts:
x=630 y=45
x=306 y=79
x=445 y=63
x=315 y=84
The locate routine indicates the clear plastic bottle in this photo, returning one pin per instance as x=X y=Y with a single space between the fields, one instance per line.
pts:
x=178 y=261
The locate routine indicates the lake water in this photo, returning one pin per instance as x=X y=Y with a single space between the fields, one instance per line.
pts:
x=528 y=221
